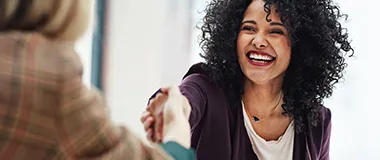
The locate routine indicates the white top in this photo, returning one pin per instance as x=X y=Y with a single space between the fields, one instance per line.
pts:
x=281 y=149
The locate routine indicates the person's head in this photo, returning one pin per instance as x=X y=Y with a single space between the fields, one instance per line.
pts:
x=56 y=19
x=298 y=42
x=263 y=44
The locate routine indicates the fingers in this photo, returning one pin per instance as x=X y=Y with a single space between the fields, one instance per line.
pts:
x=148 y=123
x=156 y=108
x=149 y=134
x=158 y=128
x=156 y=104
x=147 y=120
x=169 y=99
x=175 y=101
x=165 y=90
x=160 y=92
x=175 y=116
x=170 y=90
x=144 y=116
x=152 y=118
x=174 y=90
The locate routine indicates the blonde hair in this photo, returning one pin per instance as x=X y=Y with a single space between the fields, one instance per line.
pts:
x=57 y=19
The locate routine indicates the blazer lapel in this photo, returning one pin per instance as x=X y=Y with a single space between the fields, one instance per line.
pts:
x=242 y=147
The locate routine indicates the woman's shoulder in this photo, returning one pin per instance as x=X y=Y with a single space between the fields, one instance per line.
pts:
x=199 y=69
x=323 y=125
x=197 y=82
x=197 y=75
x=324 y=114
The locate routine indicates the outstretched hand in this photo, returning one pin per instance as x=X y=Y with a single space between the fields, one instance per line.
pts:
x=166 y=118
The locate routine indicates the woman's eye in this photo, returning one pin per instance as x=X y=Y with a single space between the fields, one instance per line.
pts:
x=277 y=32
x=248 y=28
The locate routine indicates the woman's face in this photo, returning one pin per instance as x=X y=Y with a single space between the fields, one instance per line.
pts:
x=263 y=47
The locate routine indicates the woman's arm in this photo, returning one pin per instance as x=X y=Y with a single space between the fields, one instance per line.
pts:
x=325 y=150
x=191 y=88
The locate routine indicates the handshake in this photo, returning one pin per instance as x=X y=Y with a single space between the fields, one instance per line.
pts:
x=166 y=117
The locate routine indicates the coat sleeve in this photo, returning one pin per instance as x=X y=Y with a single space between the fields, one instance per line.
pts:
x=192 y=88
x=325 y=150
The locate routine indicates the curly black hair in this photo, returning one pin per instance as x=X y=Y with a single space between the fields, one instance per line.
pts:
x=319 y=47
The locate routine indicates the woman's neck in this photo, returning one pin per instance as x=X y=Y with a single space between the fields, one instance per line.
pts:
x=260 y=98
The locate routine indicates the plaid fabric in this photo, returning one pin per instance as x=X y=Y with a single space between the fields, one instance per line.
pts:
x=46 y=112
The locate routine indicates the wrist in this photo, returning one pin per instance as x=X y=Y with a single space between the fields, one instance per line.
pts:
x=177 y=131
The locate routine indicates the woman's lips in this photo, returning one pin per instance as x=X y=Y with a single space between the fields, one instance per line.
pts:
x=259 y=58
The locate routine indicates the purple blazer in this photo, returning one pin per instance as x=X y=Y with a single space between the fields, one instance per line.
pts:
x=218 y=130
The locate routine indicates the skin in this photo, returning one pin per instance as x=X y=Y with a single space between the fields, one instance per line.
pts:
x=169 y=113
x=262 y=88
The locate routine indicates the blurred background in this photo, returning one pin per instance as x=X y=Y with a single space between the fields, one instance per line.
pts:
x=134 y=47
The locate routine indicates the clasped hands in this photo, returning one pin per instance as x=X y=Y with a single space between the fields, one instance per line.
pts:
x=166 y=117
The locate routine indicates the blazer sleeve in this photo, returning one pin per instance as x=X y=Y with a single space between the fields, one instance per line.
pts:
x=84 y=128
x=192 y=87
x=325 y=150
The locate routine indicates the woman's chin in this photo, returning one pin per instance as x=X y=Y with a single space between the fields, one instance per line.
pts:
x=263 y=79
x=258 y=80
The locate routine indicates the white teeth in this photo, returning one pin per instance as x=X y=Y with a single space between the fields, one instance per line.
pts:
x=260 y=57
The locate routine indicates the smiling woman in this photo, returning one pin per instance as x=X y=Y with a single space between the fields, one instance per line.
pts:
x=269 y=66
x=264 y=40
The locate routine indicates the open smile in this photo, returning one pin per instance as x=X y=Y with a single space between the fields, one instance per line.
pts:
x=260 y=58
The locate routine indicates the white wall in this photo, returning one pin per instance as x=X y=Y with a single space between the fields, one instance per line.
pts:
x=148 y=47
x=354 y=105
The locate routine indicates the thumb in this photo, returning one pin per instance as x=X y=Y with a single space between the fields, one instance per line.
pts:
x=174 y=90
x=174 y=101
x=179 y=102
